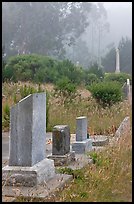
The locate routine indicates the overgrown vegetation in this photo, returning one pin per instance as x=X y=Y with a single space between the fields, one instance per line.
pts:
x=21 y=93
x=106 y=93
x=43 y=69
x=60 y=113
x=119 y=77
x=109 y=179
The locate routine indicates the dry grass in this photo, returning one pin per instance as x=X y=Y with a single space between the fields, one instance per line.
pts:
x=108 y=180
x=100 y=120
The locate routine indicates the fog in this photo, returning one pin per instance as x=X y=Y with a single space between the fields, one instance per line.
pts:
x=79 y=31
x=119 y=17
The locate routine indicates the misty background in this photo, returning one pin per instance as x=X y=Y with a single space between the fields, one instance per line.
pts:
x=83 y=32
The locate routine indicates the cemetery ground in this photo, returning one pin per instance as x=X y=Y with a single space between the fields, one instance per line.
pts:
x=110 y=177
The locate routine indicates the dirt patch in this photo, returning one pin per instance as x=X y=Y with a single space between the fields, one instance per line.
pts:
x=84 y=93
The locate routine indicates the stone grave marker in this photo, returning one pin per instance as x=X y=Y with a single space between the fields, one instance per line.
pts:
x=82 y=144
x=28 y=164
x=61 y=153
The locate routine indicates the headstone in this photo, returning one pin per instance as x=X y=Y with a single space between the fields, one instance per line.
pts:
x=117 y=69
x=27 y=131
x=81 y=128
x=127 y=90
x=61 y=153
x=61 y=140
x=27 y=150
x=82 y=144
x=124 y=127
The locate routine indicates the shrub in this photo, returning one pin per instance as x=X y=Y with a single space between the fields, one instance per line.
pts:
x=106 y=93
x=120 y=77
x=26 y=67
x=94 y=69
x=66 y=89
x=90 y=79
x=38 y=68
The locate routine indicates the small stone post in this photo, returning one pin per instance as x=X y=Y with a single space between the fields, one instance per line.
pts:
x=82 y=144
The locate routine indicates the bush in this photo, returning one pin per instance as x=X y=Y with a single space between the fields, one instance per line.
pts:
x=38 y=68
x=90 y=79
x=26 y=67
x=120 y=77
x=106 y=93
x=66 y=89
x=94 y=69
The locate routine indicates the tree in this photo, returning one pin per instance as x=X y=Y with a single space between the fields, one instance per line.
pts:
x=125 y=47
x=42 y=27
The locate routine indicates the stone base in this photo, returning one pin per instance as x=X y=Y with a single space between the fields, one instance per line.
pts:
x=99 y=140
x=61 y=160
x=82 y=146
x=28 y=176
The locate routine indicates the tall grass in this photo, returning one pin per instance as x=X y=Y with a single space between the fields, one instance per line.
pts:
x=100 y=120
x=108 y=180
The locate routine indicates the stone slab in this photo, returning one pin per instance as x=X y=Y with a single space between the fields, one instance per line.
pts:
x=81 y=160
x=99 y=140
x=28 y=131
x=28 y=176
x=8 y=199
x=82 y=146
x=60 y=140
x=44 y=190
x=123 y=128
x=61 y=160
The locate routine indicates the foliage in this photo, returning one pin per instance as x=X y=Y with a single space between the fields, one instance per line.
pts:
x=58 y=113
x=6 y=116
x=41 y=69
x=96 y=158
x=90 y=78
x=28 y=67
x=120 y=77
x=22 y=92
x=77 y=174
x=95 y=69
x=68 y=69
x=106 y=93
x=66 y=89
x=26 y=26
x=125 y=49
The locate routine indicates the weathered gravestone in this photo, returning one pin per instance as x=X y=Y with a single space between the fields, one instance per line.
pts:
x=127 y=90
x=61 y=153
x=28 y=164
x=82 y=144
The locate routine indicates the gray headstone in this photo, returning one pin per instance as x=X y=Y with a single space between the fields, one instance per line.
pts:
x=28 y=131
x=81 y=128
x=61 y=140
